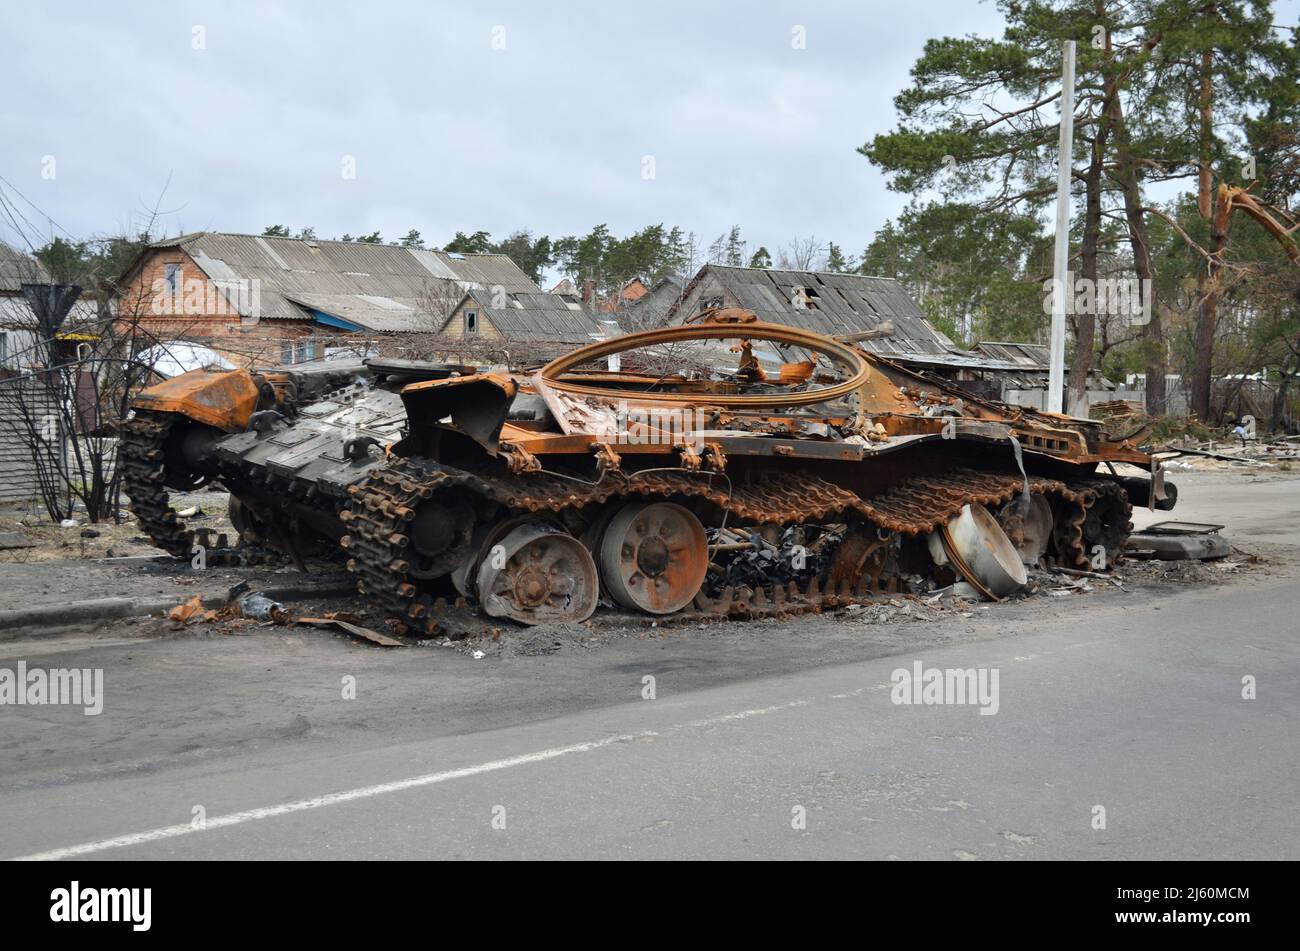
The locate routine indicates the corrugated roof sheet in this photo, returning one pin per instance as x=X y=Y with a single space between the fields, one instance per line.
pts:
x=380 y=314
x=1030 y=364
x=376 y=286
x=17 y=314
x=653 y=308
x=17 y=269
x=537 y=315
x=842 y=304
x=1033 y=356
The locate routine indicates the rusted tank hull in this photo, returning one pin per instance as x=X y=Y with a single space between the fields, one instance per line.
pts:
x=535 y=494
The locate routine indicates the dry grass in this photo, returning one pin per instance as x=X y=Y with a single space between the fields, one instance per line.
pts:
x=55 y=543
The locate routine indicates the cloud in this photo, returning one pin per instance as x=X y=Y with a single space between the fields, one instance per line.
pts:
x=449 y=132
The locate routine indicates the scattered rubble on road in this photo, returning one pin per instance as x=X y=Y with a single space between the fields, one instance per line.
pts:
x=1278 y=452
x=244 y=606
x=1183 y=443
x=335 y=610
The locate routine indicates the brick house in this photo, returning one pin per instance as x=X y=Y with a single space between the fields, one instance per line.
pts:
x=269 y=300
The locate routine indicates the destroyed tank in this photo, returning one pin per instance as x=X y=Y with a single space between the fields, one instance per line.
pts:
x=727 y=466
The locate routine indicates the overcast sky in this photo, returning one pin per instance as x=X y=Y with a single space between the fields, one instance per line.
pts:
x=462 y=116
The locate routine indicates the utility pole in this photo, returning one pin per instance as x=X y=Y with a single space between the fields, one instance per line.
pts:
x=1061 y=260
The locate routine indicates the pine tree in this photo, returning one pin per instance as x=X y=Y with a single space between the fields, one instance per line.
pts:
x=480 y=242
x=733 y=253
x=835 y=260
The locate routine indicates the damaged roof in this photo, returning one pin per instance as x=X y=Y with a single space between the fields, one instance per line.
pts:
x=653 y=308
x=1028 y=364
x=538 y=315
x=378 y=287
x=837 y=304
x=1030 y=356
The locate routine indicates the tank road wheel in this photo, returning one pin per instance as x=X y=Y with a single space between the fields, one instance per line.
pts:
x=486 y=537
x=252 y=530
x=1029 y=530
x=440 y=537
x=1106 y=524
x=538 y=575
x=653 y=557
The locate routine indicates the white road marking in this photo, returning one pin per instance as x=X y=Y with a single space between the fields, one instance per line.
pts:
x=301 y=805
x=381 y=789
x=746 y=714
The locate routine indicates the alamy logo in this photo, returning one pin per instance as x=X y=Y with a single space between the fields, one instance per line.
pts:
x=933 y=686
x=103 y=904
x=1128 y=298
x=59 y=686
x=655 y=426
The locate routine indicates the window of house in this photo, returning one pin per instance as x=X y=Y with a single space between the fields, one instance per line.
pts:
x=286 y=352
x=172 y=275
x=471 y=321
x=4 y=350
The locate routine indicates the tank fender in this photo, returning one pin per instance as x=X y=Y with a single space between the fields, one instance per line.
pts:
x=224 y=399
x=477 y=405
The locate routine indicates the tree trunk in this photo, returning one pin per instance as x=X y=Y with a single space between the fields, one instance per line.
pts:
x=1126 y=176
x=1085 y=325
x=1207 y=279
x=1207 y=314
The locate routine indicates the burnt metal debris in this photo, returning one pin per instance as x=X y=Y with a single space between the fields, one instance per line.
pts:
x=730 y=491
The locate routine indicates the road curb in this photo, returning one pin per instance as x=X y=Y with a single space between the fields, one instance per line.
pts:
x=29 y=622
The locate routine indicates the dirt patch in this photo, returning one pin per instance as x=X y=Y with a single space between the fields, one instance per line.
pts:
x=107 y=539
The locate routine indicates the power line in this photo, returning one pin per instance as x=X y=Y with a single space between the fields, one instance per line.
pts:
x=37 y=208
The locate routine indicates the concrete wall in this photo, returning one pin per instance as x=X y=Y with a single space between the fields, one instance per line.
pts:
x=1037 y=399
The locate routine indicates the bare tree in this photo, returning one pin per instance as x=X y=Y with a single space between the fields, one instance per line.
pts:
x=439 y=298
x=801 y=254
x=68 y=391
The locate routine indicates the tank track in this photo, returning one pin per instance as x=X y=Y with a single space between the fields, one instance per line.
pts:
x=142 y=454
x=382 y=507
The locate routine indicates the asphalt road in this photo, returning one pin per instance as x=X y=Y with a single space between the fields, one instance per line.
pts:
x=773 y=740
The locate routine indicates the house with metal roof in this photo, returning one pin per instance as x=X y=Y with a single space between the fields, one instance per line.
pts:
x=823 y=301
x=1027 y=382
x=17 y=321
x=513 y=324
x=20 y=329
x=651 y=309
x=41 y=325
x=845 y=305
x=260 y=299
x=17 y=269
